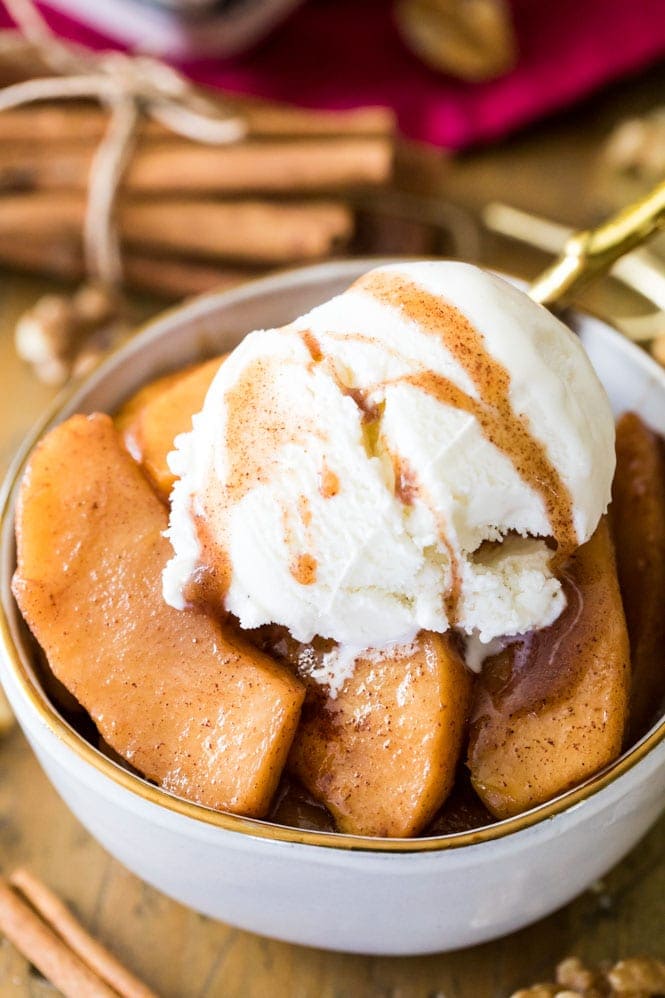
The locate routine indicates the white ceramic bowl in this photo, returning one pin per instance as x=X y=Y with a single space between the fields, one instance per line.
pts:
x=333 y=891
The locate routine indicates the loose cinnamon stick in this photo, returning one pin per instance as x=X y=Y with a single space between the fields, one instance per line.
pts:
x=88 y=949
x=43 y=947
x=245 y=231
x=77 y=124
x=308 y=164
x=169 y=278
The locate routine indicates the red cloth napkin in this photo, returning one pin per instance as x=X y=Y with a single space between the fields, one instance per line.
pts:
x=346 y=53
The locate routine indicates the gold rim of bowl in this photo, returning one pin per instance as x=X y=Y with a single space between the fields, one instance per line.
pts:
x=256 y=828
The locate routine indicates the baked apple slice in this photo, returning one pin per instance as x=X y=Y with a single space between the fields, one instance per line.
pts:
x=150 y=421
x=551 y=709
x=134 y=405
x=190 y=705
x=381 y=756
x=638 y=524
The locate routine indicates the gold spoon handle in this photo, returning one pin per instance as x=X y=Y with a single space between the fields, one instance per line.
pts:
x=590 y=253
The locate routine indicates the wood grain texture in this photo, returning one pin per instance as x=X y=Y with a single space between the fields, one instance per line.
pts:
x=183 y=955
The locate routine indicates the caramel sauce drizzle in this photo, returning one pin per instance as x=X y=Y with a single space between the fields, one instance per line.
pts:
x=304 y=566
x=328 y=483
x=493 y=410
x=503 y=427
x=303 y=569
x=313 y=345
x=264 y=423
x=211 y=580
x=407 y=489
x=407 y=486
x=259 y=422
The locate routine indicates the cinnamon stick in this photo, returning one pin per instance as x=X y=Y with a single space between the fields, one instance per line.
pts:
x=56 y=914
x=245 y=231
x=248 y=231
x=79 y=124
x=308 y=164
x=170 y=278
x=43 y=947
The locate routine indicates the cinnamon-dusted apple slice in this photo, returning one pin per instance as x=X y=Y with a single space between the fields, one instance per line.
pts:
x=151 y=420
x=194 y=708
x=551 y=709
x=638 y=524
x=382 y=754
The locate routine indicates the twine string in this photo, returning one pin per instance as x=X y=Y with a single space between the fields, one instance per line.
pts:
x=101 y=241
x=54 y=88
x=129 y=87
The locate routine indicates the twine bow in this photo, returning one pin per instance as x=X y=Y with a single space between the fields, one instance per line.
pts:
x=129 y=87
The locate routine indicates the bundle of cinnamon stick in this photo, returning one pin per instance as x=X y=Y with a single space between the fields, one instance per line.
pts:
x=190 y=216
x=46 y=932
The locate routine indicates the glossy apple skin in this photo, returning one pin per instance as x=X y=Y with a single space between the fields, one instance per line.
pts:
x=638 y=526
x=188 y=704
x=551 y=709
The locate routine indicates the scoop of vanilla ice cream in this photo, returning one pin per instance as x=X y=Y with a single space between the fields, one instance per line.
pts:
x=404 y=457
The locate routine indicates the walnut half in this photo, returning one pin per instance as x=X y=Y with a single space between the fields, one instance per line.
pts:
x=635 y=977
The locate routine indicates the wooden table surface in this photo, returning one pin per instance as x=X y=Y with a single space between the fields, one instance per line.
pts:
x=552 y=169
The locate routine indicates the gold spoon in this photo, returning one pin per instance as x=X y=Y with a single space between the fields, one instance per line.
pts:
x=640 y=269
x=591 y=252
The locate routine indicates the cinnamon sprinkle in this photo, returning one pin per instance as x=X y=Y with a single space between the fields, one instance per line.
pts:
x=304 y=510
